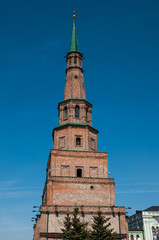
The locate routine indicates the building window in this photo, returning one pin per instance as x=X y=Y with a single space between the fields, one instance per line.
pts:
x=77 y=111
x=131 y=237
x=93 y=172
x=79 y=172
x=70 y=60
x=65 y=113
x=49 y=170
x=78 y=141
x=155 y=233
x=65 y=170
x=93 y=144
x=75 y=59
x=86 y=114
x=61 y=142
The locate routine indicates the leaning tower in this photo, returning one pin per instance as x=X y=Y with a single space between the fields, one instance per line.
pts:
x=77 y=174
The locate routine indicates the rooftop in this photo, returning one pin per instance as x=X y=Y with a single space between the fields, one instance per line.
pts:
x=152 y=209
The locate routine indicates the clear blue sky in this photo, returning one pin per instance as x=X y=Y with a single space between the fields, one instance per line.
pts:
x=120 y=42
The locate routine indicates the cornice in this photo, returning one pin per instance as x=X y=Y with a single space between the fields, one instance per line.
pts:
x=75 y=124
x=76 y=99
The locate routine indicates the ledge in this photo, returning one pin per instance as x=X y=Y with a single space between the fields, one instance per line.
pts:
x=82 y=180
x=78 y=99
x=87 y=209
x=75 y=124
x=59 y=235
x=69 y=53
x=78 y=151
x=74 y=67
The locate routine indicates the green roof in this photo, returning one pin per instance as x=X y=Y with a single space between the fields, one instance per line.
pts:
x=74 y=41
x=76 y=124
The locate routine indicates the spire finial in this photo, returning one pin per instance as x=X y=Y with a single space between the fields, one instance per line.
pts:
x=74 y=42
x=74 y=13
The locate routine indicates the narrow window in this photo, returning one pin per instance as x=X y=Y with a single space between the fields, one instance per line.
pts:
x=70 y=60
x=78 y=141
x=49 y=170
x=157 y=233
x=154 y=233
x=77 y=110
x=75 y=59
x=57 y=214
x=79 y=172
x=65 y=113
x=86 y=114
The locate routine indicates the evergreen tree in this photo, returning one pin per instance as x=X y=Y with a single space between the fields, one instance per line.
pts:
x=101 y=228
x=67 y=227
x=74 y=229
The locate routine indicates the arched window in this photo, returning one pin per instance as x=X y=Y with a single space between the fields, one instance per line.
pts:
x=65 y=113
x=75 y=59
x=77 y=111
x=79 y=172
x=131 y=237
x=137 y=237
x=154 y=233
x=157 y=233
x=78 y=141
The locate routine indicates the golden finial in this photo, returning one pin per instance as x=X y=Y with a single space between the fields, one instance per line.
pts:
x=74 y=11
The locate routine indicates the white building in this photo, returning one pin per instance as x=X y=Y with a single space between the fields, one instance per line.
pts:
x=144 y=225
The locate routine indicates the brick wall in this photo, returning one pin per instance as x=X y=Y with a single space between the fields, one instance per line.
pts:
x=65 y=138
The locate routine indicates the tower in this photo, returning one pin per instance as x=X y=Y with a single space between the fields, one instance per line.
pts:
x=77 y=174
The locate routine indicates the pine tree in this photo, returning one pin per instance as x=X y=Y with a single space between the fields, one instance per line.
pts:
x=74 y=229
x=101 y=228
x=67 y=227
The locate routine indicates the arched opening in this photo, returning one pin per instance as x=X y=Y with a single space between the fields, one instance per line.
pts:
x=79 y=172
x=77 y=111
x=131 y=237
x=137 y=237
x=65 y=113
x=153 y=233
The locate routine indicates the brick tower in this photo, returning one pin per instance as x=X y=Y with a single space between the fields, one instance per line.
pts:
x=77 y=174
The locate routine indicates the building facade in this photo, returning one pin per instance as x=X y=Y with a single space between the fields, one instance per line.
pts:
x=144 y=224
x=77 y=174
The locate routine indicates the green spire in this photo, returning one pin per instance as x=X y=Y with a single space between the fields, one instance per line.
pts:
x=74 y=41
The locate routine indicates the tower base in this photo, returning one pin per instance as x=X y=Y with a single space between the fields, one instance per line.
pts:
x=50 y=221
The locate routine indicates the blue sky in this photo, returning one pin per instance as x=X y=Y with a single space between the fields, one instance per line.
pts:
x=119 y=40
